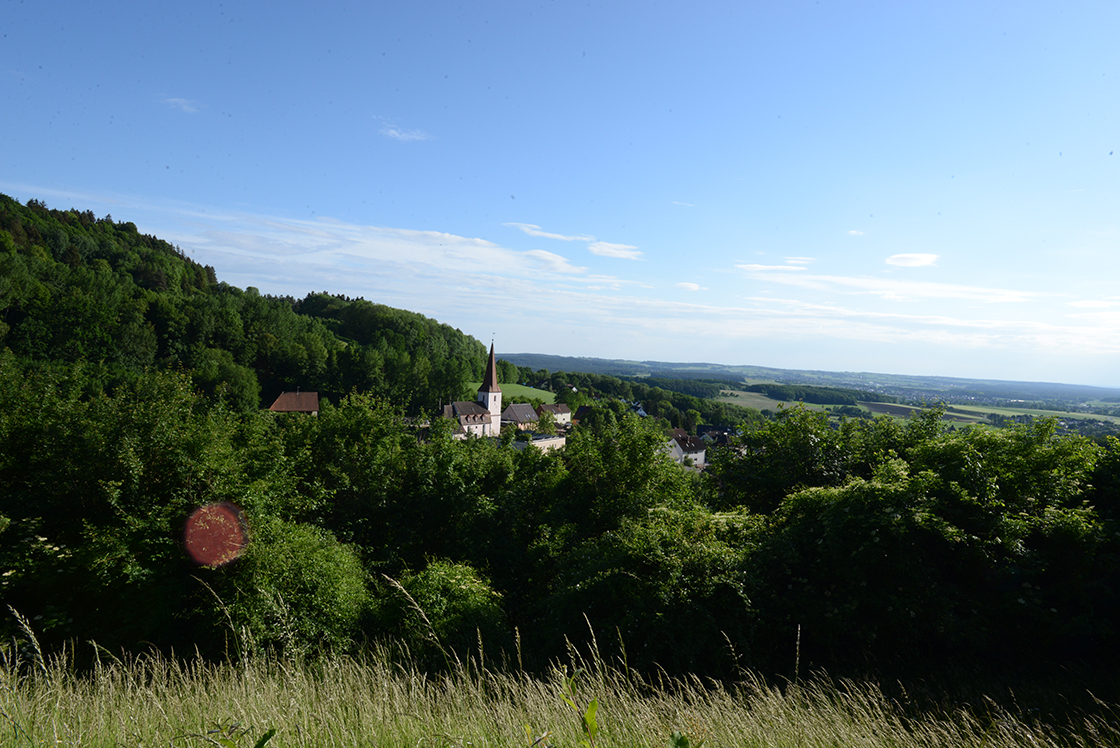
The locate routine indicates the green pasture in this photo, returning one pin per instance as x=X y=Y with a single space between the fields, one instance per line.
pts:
x=982 y=410
x=520 y=390
x=758 y=401
x=960 y=414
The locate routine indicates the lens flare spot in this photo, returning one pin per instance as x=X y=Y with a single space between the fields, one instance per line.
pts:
x=215 y=534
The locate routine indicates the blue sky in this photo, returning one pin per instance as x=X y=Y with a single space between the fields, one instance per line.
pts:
x=888 y=187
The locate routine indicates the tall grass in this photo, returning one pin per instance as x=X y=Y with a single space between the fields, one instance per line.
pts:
x=376 y=701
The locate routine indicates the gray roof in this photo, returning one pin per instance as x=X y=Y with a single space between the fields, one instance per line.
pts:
x=520 y=413
x=466 y=412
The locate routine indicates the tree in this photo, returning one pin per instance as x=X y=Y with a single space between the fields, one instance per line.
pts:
x=546 y=422
x=507 y=372
x=797 y=450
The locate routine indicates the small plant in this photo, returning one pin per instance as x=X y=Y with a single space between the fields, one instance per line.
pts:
x=590 y=725
x=228 y=737
x=680 y=740
x=586 y=714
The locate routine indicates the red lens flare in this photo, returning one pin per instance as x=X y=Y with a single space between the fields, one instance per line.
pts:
x=215 y=534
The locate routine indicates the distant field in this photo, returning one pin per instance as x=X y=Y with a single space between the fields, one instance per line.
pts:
x=965 y=415
x=983 y=409
x=905 y=411
x=758 y=401
x=520 y=390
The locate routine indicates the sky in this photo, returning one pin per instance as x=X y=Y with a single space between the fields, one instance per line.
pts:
x=895 y=187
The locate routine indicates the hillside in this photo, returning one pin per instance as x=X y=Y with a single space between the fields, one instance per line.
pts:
x=76 y=288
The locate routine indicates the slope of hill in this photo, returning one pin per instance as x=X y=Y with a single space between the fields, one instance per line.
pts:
x=76 y=288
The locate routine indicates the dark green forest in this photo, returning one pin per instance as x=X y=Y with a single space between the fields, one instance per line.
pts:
x=75 y=288
x=131 y=383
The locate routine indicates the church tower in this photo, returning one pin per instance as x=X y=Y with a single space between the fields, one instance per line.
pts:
x=490 y=395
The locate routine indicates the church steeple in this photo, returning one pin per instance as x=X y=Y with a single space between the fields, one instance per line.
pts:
x=490 y=378
x=490 y=395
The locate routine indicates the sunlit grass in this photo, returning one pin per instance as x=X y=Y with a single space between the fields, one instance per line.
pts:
x=519 y=390
x=375 y=701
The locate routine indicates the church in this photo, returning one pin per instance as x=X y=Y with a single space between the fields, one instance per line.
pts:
x=484 y=416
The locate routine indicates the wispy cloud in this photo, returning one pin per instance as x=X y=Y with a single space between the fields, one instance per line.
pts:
x=1095 y=303
x=622 y=251
x=912 y=261
x=800 y=260
x=855 y=232
x=534 y=230
x=603 y=249
x=768 y=268
x=891 y=289
x=405 y=136
x=691 y=286
x=183 y=105
x=686 y=205
x=394 y=131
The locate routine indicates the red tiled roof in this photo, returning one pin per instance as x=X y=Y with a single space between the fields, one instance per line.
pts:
x=296 y=402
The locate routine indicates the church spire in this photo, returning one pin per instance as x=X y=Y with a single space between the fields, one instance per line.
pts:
x=490 y=379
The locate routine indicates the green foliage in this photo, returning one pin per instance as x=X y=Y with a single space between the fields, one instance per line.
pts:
x=671 y=584
x=546 y=422
x=796 y=450
x=818 y=395
x=298 y=590
x=75 y=288
x=447 y=607
x=620 y=471
x=588 y=723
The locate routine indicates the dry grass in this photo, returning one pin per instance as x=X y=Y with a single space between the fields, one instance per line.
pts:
x=340 y=701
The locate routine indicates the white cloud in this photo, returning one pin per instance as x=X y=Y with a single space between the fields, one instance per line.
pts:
x=622 y=251
x=768 y=268
x=534 y=230
x=405 y=136
x=912 y=261
x=691 y=286
x=800 y=260
x=854 y=232
x=554 y=262
x=183 y=105
x=390 y=130
x=686 y=205
x=891 y=289
x=1094 y=304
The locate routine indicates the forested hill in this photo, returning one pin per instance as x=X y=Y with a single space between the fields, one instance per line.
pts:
x=74 y=287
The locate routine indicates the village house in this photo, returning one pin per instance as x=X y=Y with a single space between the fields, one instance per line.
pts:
x=684 y=449
x=520 y=415
x=561 y=413
x=543 y=442
x=297 y=402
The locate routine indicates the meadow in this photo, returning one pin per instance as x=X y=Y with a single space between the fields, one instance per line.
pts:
x=510 y=391
x=961 y=414
x=379 y=699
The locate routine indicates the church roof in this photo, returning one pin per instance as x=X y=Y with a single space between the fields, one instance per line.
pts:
x=466 y=409
x=490 y=379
